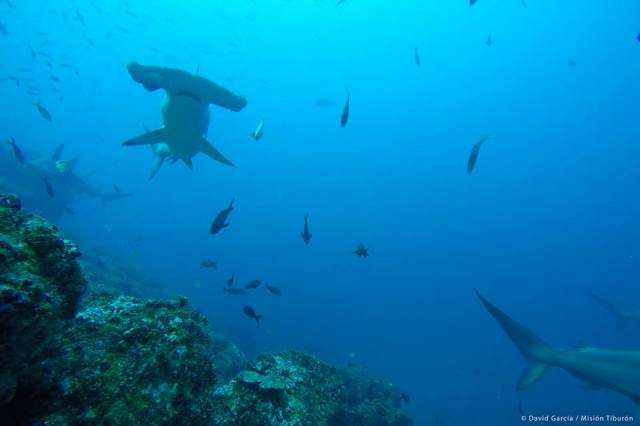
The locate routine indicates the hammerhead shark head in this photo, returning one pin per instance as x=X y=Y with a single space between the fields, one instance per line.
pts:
x=623 y=316
x=616 y=370
x=185 y=113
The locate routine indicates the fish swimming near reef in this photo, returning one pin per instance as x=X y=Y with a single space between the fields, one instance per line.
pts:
x=185 y=111
x=253 y=284
x=306 y=235
x=17 y=152
x=219 y=222
x=344 y=119
x=623 y=316
x=361 y=251
x=48 y=187
x=473 y=156
x=235 y=291
x=258 y=132
x=209 y=264
x=251 y=313
x=616 y=370
x=43 y=111
x=273 y=290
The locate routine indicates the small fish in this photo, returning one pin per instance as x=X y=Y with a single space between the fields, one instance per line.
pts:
x=416 y=57
x=251 y=313
x=638 y=37
x=235 y=291
x=361 y=251
x=520 y=409
x=323 y=103
x=273 y=290
x=138 y=239
x=571 y=62
x=209 y=264
x=473 y=156
x=253 y=284
x=16 y=151
x=257 y=134
x=79 y=18
x=220 y=219
x=489 y=41
x=344 y=119
x=3 y=30
x=116 y=188
x=472 y=2
x=63 y=166
x=306 y=235
x=48 y=187
x=230 y=281
x=43 y=112
x=68 y=210
x=55 y=79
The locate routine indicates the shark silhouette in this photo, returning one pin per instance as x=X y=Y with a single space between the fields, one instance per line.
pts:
x=623 y=316
x=185 y=113
x=616 y=370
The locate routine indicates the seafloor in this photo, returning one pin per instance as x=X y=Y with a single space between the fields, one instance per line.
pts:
x=81 y=345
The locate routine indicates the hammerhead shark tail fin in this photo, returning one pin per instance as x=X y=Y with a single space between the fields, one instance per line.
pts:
x=155 y=168
x=148 y=138
x=532 y=347
x=207 y=149
x=57 y=154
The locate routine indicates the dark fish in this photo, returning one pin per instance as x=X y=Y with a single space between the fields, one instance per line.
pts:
x=17 y=151
x=138 y=239
x=220 y=219
x=55 y=78
x=361 y=251
x=638 y=37
x=235 y=291
x=345 y=112
x=253 y=284
x=571 y=63
x=79 y=18
x=473 y=157
x=273 y=290
x=416 y=56
x=48 y=187
x=404 y=397
x=209 y=264
x=306 y=235
x=323 y=103
x=248 y=311
x=230 y=281
x=43 y=112
x=3 y=30
x=520 y=410
x=117 y=189
x=472 y=2
x=489 y=41
x=68 y=210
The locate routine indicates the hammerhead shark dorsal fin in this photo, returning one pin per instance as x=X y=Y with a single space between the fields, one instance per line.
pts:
x=207 y=149
x=148 y=138
x=57 y=154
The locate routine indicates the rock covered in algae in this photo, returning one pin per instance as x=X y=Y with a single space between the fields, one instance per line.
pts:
x=286 y=389
x=40 y=290
x=133 y=360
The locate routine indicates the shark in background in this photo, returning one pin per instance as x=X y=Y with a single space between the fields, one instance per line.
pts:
x=623 y=316
x=26 y=181
x=185 y=114
x=616 y=370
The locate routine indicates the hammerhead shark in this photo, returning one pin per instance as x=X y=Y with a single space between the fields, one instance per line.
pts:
x=616 y=370
x=623 y=316
x=185 y=113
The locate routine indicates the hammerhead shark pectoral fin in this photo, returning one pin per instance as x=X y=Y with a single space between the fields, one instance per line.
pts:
x=148 y=138
x=157 y=164
x=188 y=162
x=531 y=374
x=207 y=149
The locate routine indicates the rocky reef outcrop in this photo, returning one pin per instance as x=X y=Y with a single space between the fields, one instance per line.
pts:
x=74 y=352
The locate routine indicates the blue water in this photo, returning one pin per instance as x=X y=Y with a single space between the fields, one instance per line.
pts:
x=550 y=210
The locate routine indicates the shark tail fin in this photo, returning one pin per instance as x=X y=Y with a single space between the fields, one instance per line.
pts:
x=57 y=154
x=148 y=138
x=533 y=348
x=207 y=149
x=155 y=168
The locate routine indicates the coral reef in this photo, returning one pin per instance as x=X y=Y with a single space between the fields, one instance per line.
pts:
x=78 y=353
